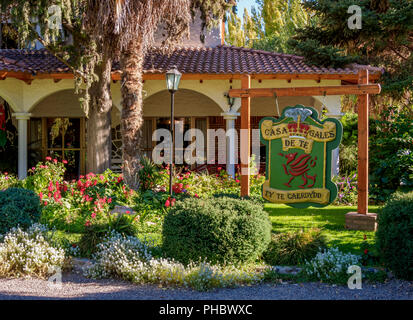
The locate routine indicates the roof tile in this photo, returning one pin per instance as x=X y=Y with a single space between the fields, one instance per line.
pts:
x=217 y=60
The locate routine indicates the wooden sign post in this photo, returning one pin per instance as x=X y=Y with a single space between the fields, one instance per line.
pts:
x=361 y=220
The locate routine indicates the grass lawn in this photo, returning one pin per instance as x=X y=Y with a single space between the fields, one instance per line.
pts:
x=330 y=219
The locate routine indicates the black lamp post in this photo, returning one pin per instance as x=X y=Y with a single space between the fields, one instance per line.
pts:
x=173 y=77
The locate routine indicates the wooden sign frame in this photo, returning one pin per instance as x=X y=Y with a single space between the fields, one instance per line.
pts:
x=362 y=90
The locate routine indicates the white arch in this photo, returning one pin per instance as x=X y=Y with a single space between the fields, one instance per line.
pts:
x=213 y=89
x=9 y=100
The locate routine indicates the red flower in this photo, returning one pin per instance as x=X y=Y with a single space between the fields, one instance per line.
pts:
x=88 y=223
x=196 y=195
x=74 y=245
x=93 y=215
x=167 y=203
x=366 y=251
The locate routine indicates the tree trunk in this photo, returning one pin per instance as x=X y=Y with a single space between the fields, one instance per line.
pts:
x=132 y=111
x=99 y=140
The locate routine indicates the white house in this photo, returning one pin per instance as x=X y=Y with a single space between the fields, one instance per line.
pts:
x=39 y=90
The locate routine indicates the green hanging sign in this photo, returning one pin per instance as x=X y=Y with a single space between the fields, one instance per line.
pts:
x=298 y=157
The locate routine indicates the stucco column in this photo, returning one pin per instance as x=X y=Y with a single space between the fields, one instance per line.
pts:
x=22 y=118
x=335 y=159
x=231 y=140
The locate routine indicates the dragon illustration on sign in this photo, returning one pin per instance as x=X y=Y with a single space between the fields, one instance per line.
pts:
x=299 y=167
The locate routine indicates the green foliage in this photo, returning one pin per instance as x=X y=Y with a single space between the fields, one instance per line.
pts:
x=391 y=161
x=18 y=207
x=348 y=159
x=395 y=235
x=96 y=233
x=317 y=54
x=294 y=248
x=149 y=174
x=7 y=181
x=347 y=190
x=384 y=39
x=219 y=230
x=269 y=27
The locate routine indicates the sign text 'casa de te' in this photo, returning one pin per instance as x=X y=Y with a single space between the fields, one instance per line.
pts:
x=298 y=157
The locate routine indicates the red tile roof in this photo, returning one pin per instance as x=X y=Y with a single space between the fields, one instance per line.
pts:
x=217 y=60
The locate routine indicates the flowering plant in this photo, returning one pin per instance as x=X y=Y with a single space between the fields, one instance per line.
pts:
x=7 y=180
x=29 y=252
x=347 y=189
x=134 y=260
x=330 y=266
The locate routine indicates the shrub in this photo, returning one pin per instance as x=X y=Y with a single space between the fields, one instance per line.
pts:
x=294 y=248
x=133 y=260
x=18 y=207
x=395 y=235
x=29 y=252
x=149 y=174
x=330 y=266
x=391 y=161
x=218 y=230
x=96 y=233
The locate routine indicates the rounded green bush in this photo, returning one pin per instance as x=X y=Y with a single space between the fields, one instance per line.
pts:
x=18 y=207
x=219 y=230
x=395 y=235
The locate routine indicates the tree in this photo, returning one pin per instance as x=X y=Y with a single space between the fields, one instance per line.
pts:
x=384 y=40
x=126 y=29
x=271 y=24
x=29 y=22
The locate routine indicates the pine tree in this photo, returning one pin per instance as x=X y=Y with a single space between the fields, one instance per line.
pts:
x=384 y=40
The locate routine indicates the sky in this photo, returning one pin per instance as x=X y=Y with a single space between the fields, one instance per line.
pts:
x=241 y=4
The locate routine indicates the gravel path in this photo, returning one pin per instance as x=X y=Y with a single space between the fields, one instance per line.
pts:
x=77 y=287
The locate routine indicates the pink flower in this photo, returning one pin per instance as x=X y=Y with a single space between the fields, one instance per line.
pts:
x=128 y=212
x=167 y=203
x=196 y=195
x=55 y=160
x=93 y=215
x=88 y=223
x=237 y=181
x=48 y=158
x=64 y=161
